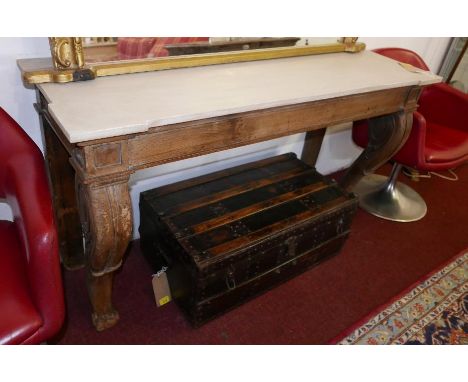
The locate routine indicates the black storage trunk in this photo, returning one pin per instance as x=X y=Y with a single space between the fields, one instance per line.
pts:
x=233 y=234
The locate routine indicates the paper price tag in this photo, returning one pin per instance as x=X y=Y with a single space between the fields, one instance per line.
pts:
x=162 y=292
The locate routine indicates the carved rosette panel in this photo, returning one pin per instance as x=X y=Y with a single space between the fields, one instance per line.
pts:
x=67 y=52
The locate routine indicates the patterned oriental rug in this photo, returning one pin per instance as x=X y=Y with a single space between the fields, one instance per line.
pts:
x=433 y=311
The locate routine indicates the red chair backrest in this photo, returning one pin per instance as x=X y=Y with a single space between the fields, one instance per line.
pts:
x=23 y=183
x=13 y=143
x=403 y=55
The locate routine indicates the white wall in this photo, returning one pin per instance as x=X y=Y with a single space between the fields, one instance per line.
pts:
x=337 y=151
x=14 y=97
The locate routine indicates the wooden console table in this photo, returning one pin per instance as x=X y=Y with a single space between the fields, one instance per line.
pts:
x=99 y=132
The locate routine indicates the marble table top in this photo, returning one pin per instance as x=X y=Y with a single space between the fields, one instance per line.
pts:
x=131 y=103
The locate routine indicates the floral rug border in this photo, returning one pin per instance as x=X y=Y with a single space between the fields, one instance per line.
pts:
x=407 y=315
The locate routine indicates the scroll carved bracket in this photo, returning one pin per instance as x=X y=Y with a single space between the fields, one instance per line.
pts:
x=106 y=215
x=386 y=136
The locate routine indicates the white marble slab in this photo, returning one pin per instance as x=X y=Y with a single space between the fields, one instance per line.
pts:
x=131 y=103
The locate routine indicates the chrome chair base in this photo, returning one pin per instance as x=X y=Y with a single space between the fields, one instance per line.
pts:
x=388 y=199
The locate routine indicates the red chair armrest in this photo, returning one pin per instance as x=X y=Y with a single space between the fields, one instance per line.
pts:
x=24 y=185
x=28 y=195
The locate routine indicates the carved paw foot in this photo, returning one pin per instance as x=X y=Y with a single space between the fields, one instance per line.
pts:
x=105 y=321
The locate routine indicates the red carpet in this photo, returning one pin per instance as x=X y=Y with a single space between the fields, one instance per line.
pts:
x=380 y=259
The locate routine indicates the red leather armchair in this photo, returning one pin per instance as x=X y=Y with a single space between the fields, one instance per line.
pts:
x=31 y=294
x=438 y=141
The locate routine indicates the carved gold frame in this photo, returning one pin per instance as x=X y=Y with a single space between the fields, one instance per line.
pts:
x=68 y=64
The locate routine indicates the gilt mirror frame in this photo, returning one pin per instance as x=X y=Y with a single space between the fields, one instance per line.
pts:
x=67 y=63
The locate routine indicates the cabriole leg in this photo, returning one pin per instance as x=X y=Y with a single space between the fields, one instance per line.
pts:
x=106 y=215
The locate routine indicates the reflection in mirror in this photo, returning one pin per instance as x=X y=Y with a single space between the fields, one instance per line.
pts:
x=104 y=49
x=100 y=49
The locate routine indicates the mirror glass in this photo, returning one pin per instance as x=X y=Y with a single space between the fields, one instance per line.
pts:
x=105 y=49
x=459 y=77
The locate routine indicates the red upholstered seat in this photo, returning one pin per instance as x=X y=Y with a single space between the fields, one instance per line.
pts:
x=31 y=294
x=439 y=137
x=445 y=144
